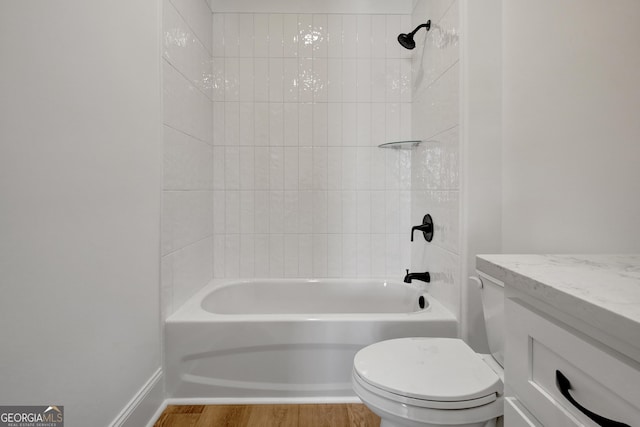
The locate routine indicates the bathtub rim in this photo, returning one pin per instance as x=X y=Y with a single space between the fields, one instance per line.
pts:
x=192 y=311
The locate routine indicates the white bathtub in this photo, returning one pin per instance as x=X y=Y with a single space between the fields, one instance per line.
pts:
x=288 y=338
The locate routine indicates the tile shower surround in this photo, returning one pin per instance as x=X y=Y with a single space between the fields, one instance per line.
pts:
x=435 y=165
x=300 y=103
x=187 y=197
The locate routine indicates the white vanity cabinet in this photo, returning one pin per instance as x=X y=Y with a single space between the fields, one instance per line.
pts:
x=540 y=350
x=571 y=357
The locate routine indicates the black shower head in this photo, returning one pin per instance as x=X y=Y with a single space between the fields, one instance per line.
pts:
x=407 y=41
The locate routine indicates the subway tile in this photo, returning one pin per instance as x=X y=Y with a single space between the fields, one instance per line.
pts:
x=363 y=136
x=305 y=168
x=245 y=37
x=246 y=168
x=231 y=35
x=219 y=212
x=305 y=36
x=218 y=255
x=232 y=168
x=291 y=116
x=349 y=212
x=364 y=255
x=276 y=124
x=261 y=124
x=363 y=49
x=232 y=255
x=188 y=162
x=290 y=35
x=231 y=79
x=246 y=123
x=187 y=216
x=334 y=212
x=291 y=168
x=276 y=35
x=306 y=80
x=245 y=79
x=261 y=218
x=218 y=168
x=305 y=125
x=334 y=125
x=350 y=255
x=231 y=123
x=349 y=36
x=319 y=212
x=320 y=79
x=291 y=255
x=305 y=212
x=185 y=51
x=305 y=255
x=198 y=15
x=247 y=256
x=276 y=212
x=291 y=212
x=186 y=108
x=232 y=212
x=276 y=255
x=378 y=255
x=261 y=255
x=320 y=35
x=334 y=168
x=320 y=255
x=349 y=124
x=276 y=168
x=364 y=80
x=334 y=36
x=320 y=118
x=261 y=79
x=217 y=36
x=349 y=80
x=191 y=268
x=379 y=36
x=334 y=80
x=262 y=162
x=276 y=79
x=260 y=35
x=334 y=255
x=290 y=77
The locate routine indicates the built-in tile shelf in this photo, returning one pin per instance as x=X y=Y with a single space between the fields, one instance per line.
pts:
x=406 y=145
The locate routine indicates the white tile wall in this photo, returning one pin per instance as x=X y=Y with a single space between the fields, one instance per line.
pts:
x=314 y=105
x=435 y=165
x=191 y=209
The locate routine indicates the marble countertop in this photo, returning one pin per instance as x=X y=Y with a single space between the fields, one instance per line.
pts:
x=601 y=290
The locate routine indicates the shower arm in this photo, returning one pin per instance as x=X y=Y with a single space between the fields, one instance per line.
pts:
x=426 y=25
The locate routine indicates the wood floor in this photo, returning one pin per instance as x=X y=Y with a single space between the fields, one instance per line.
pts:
x=346 y=415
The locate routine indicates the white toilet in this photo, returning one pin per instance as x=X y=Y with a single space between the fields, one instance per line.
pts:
x=436 y=382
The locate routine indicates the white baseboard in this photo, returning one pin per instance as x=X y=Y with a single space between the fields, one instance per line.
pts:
x=260 y=400
x=145 y=406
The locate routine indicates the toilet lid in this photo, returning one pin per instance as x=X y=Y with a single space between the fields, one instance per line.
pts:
x=435 y=369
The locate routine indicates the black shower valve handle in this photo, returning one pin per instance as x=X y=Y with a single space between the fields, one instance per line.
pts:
x=426 y=227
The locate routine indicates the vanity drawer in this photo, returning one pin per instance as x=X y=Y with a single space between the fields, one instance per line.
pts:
x=538 y=347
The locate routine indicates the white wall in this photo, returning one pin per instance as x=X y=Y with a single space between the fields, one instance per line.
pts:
x=187 y=199
x=571 y=106
x=80 y=176
x=301 y=102
x=481 y=201
x=435 y=164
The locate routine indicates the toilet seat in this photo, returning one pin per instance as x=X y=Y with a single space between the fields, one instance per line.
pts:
x=438 y=373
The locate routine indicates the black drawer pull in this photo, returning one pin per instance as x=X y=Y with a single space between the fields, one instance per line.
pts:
x=564 y=386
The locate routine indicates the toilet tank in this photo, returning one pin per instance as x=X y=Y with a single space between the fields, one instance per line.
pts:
x=492 y=292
